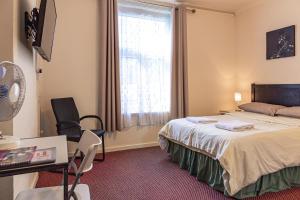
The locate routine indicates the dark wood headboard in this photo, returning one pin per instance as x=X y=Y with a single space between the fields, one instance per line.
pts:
x=279 y=94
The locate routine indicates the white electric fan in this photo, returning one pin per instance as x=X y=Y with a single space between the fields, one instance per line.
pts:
x=12 y=95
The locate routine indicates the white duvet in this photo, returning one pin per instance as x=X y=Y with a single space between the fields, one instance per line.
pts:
x=272 y=145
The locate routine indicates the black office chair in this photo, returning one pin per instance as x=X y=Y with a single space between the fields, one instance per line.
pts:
x=68 y=121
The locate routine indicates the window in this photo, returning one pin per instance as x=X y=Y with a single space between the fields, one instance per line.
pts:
x=145 y=36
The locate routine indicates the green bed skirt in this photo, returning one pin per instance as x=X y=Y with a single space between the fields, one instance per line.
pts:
x=208 y=170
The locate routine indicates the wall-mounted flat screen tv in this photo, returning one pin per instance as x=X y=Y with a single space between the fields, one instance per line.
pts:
x=45 y=29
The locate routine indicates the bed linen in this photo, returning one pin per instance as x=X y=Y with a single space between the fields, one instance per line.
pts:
x=245 y=156
x=202 y=120
x=235 y=125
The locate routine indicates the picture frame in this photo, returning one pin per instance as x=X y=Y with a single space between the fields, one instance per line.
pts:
x=281 y=43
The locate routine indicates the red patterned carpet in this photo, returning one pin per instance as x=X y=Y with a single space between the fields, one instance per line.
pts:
x=148 y=174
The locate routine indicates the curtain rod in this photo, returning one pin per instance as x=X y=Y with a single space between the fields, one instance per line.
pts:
x=191 y=8
x=209 y=9
x=168 y=5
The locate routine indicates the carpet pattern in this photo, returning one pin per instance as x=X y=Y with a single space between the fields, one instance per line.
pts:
x=148 y=174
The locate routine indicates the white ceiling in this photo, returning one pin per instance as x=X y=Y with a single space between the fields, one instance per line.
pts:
x=225 y=5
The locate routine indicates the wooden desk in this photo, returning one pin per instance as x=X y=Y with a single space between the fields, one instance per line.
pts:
x=60 y=142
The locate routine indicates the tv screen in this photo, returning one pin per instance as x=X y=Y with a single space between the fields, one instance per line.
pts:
x=46 y=27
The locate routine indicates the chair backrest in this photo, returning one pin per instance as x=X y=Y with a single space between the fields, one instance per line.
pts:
x=65 y=110
x=88 y=145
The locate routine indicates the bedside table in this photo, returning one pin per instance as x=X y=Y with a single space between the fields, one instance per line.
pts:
x=224 y=112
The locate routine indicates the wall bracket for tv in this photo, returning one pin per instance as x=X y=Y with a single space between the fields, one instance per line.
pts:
x=31 y=24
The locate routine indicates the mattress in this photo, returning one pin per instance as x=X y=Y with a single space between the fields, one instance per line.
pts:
x=245 y=156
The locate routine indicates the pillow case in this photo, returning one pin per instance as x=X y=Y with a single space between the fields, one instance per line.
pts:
x=263 y=108
x=289 y=112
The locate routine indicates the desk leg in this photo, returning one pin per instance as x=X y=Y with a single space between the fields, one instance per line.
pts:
x=65 y=172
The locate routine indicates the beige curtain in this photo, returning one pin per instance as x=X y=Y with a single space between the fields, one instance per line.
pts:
x=109 y=79
x=179 y=92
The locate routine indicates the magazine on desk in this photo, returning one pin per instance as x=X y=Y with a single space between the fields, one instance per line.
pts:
x=26 y=156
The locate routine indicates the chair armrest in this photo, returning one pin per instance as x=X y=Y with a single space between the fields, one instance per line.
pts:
x=94 y=117
x=74 y=123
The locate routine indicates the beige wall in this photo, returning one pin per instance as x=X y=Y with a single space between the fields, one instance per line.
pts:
x=211 y=61
x=6 y=43
x=73 y=69
x=6 y=53
x=14 y=47
x=252 y=25
x=6 y=17
x=25 y=124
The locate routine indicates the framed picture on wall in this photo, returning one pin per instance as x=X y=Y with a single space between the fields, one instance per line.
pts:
x=281 y=43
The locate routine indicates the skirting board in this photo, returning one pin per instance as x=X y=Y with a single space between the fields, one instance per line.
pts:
x=133 y=146
x=123 y=147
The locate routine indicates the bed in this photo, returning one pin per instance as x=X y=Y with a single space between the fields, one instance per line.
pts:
x=241 y=164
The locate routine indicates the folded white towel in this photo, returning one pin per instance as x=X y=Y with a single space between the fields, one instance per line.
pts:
x=235 y=125
x=202 y=120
